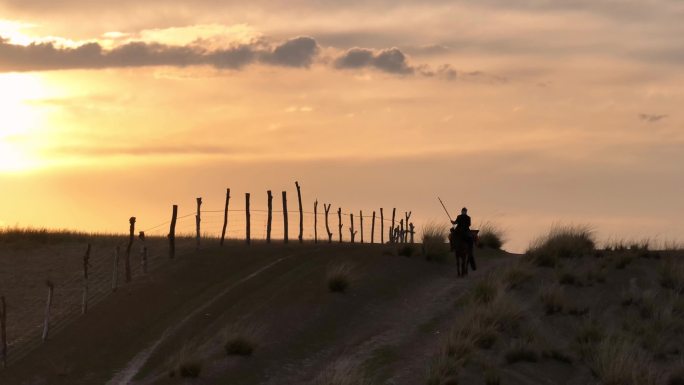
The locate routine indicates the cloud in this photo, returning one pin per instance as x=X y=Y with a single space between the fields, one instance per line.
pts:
x=169 y=150
x=390 y=60
x=652 y=118
x=297 y=52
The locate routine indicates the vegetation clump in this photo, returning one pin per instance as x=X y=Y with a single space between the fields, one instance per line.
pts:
x=406 y=251
x=521 y=352
x=239 y=346
x=561 y=242
x=620 y=361
x=672 y=275
x=339 y=278
x=491 y=236
x=435 y=242
x=553 y=299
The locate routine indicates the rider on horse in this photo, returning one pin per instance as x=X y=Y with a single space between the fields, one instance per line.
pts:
x=462 y=232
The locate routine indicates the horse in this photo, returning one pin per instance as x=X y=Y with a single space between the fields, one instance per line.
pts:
x=463 y=252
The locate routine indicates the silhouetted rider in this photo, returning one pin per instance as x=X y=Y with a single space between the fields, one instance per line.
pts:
x=462 y=231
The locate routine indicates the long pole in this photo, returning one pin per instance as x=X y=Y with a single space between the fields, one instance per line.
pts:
x=445 y=209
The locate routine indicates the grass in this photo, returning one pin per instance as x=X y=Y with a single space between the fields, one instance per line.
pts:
x=443 y=371
x=566 y=277
x=561 y=242
x=341 y=372
x=491 y=236
x=190 y=369
x=339 y=277
x=239 y=346
x=406 y=250
x=46 y=236
x=552 y=298
x=672 y=275
x=435 y=242
x=618 y=361
x=521 y=351
x=492 y=377
x=485 y=290
x=516 y=274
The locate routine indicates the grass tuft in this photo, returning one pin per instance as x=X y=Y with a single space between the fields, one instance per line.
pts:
x=553 y=298
x=485 y=290
x=521 y=351
x=618 y=361
x=341 y=372
x=491 y=236
x=435 y=242
x=406 y=251
x=339 y=277
x=561 y=242
x=239 y=346
x=672 y=275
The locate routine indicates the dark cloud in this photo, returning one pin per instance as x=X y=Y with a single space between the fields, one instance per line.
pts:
x=297 y=52
x=390 y=60
x=652 y=118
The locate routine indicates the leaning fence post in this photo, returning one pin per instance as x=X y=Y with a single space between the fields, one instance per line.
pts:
x=373 y=228
x=225 y=217
x=172 y=233
x=327 y=224
x=361 y=224
x=127 y=263
x=392 y=240
x=352 y=233
x=301 y=213
x=248 y=224
x=86 y=264
x=382 y=226
x=3 y=330
x=316 y=221
x=412 y=232
x=115 y=273
x=285 y=224
x=339 y=220
x=143 y=252
x=48 y=306
x=269 y=221
x=198 y=221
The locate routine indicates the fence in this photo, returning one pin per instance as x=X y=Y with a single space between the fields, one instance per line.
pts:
x=105 y=268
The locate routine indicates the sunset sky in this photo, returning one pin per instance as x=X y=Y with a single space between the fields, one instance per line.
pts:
x=529 y=112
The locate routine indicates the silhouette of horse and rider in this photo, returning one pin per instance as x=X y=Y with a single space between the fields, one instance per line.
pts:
x=462 y=241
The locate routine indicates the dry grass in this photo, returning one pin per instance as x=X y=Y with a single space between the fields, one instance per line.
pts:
x=561 y=242
x=486 y=290
x=513 y=276
x=342 y=372
x=46 y=236
x=435 y=242
x=672 y=275
x=339 y=277
x=521 y=351
x=553 y=298
x=618 y=361
x=491 y=236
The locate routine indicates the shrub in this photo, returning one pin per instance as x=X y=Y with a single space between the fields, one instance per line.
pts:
x=239 y=346
x=491 y=236
x=553 y=298
x=434 y=239
x=339 y=277
x=521 y=351
x=561 y=242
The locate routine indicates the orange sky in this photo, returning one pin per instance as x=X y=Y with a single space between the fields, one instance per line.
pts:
x=529 y=112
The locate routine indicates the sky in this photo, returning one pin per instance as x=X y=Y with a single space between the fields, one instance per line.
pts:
x=529 y=112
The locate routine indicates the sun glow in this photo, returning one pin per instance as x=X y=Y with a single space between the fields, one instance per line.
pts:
x=20 y=122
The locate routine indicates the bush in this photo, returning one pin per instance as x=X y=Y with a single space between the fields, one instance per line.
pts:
x=435 y=242
x=561 y=242
x=339 y=278
x=239 y=346
x=491 y=236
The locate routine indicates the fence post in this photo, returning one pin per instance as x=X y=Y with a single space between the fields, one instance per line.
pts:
x=225 y=217
x=3 y=330
x=339 y=219
x=412 y=232
x=401 y=231
x=361 y=224
x=382 y=226
x=48 y=306
x=86 y=264
x=301 y=213
x=373 y=228
x=115 y=274
x=270 y=216
x=316 y=221
x=172 y=233
x=327 y=225
x=285 y=224
x=351 y=228
x=248 y=223
x=392 y=240
x=198 y=221
x=408 y=216
x=131 y=236
x=143 y=252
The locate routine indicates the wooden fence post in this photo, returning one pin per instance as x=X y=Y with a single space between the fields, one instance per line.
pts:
x=269 y=221
x=316 y=221
x=408 y=216
x=352 y=233
x=392 y=240
x=339 y=219
x=248 y=218
x=131 y=236
x=198 y=221
x=373 y=228
x=285 y=224
x=143 y=252
x=412 y=232
x=225 y=217
x=382 y=226
x=327 y=224
x=172 y=233
x=301 y=213
x=48 y=306
x=3 y=330
x=401 y=231
x=115 y=274
x=361 y=224
x=86 y=264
